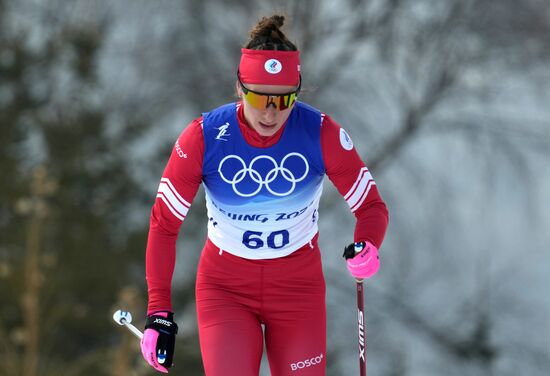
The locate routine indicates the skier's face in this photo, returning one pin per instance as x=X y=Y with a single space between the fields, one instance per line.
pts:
x=269 y=120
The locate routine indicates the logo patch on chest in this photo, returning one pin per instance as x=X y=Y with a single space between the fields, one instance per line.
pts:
x=222 y=132
x=278 y=177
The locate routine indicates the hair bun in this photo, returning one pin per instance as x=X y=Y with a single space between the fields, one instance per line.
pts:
x=278 y=19
x=267 y=26
x=267 y=35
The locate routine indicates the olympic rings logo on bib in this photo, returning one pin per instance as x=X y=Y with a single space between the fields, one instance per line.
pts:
x=271 y=176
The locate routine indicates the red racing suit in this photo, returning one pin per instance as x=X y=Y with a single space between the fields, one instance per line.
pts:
x=239 y=291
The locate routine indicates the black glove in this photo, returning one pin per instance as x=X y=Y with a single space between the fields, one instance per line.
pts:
x=159 y=340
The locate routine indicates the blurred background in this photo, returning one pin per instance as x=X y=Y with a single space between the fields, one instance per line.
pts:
x=446 y=100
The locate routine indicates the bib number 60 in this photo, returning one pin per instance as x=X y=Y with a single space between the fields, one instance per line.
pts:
x=275 y=239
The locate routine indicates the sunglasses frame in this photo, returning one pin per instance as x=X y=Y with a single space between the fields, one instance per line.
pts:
x=295 y=92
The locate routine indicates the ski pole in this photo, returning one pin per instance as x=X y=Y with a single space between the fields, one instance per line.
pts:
x=350 y=253
x=362 y=328
x=125 y=318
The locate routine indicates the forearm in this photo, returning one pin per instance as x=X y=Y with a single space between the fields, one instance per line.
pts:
x=372 y=222
x=160 y=260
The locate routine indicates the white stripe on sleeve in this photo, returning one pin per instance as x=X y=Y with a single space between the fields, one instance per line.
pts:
x=173 y=200
x=363 y=196
x=174 y=211
x=360 y=189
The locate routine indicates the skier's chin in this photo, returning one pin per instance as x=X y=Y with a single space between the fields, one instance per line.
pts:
x=267 y=129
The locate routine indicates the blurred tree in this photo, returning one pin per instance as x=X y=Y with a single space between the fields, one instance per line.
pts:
x=66 y=250
x=433 y=61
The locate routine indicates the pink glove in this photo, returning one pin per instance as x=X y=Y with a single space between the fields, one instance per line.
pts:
x=149 y=346
x=362 y=259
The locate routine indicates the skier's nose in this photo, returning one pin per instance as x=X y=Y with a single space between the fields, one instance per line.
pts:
x=270 y=113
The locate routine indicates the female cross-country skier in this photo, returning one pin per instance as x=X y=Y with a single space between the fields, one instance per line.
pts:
x=262 y=161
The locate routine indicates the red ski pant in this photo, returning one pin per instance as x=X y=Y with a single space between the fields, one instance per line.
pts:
x=236 y=297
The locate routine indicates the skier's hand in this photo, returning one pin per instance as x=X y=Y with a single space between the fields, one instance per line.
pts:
x=159 y=337
x=362 y=259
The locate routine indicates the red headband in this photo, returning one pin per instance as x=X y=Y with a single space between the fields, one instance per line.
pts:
x=270 y=67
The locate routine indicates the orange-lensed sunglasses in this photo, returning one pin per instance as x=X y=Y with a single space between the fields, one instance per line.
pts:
x=261 y=101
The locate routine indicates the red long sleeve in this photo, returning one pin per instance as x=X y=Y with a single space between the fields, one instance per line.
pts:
x=175 y=194
x=353 y=180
